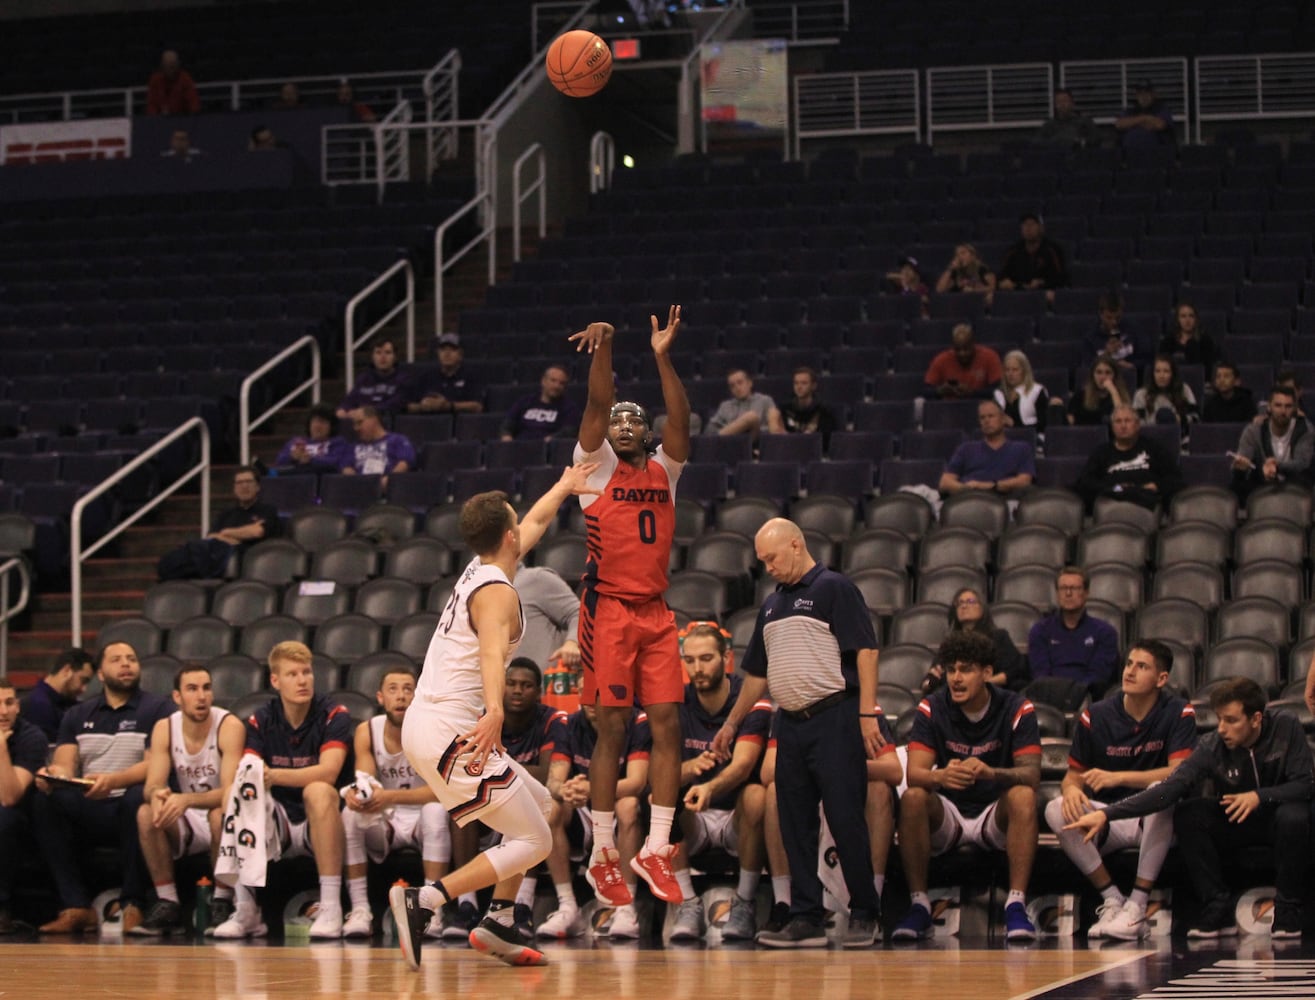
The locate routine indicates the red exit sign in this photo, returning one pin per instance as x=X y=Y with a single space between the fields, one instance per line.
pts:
x=625 y=48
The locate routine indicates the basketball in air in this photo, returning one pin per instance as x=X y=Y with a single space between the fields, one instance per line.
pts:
x=579 y=63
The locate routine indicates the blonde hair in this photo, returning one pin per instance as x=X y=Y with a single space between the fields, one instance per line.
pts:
x=1028 y=380
x=297 y=652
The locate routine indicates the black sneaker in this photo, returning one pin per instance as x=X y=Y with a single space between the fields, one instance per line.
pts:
x=1287 y=921
x=504 y=943
x=411 y=919
x=164 y=917
x=1217 y=920
x=462 y=921
x=798 y=933
x=779 y=917
x=220 y=910
x=522 y=922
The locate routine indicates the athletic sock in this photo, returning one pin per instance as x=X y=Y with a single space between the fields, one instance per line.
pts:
x=1016 y=896
x=525 y=894
x=685 y=882
x=781 y=889
x=879 y=883
x=1111 y=894
x=920 y=899
x=748 y=885
x=603 y=832
x=659 y=827
x=167 y=890
x=566 y=896
x=359 y=893
x=1141 y=897
x=330 y=893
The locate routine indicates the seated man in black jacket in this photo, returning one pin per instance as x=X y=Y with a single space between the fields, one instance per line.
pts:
x=1249 y=782
x=235 y=530
x=1131 y=467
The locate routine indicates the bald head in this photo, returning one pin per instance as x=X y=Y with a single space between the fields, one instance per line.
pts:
x=780 y=546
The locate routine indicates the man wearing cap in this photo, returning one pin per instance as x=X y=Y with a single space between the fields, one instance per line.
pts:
x=906 y=279
x=1147 y=122
x=447 y=388
x=628 y=644
x=1035 y=261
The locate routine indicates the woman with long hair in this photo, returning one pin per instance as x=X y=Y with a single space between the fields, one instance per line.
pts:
x=969 y=613
x=1104 y=390
x=1165 y=391
x=1188 y=342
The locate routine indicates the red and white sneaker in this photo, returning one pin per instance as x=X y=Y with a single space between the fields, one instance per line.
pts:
x=654 y=867
x=605 y=878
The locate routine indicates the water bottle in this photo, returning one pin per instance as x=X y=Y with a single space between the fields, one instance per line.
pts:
x=205 y=891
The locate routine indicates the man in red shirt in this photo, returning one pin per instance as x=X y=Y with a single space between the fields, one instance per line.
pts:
x=628 y=643
x=171 y=90
x=964 y=370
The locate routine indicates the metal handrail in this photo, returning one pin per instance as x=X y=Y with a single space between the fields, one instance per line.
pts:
x=7 y=568
x=441 y=105
x=245 y=424
x=519 y=197
x=602 y=161
x=483 y=201
x=76 y=553
x=408 y=303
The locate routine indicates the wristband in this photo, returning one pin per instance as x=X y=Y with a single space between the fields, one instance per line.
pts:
x=867 y=715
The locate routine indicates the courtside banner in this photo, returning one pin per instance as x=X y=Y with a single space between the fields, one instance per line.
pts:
x=59 y=142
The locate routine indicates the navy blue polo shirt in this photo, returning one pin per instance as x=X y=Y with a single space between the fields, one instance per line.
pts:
x=581 y=738
x=1109 y=738
x=546 y=731
x=44 y=708
x=977 y=460
x=271 y=737
x=1007 y=731
x=112 y=739
x=807 y=638
x=1088 y=654
x=698 y=728
x=27 y=746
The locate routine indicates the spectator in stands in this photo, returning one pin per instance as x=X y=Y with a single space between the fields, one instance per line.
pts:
x=1228 y=401
x=1068 y=127
x=1103 y=391
x=263 y=139
x=171 y=90
x=804 y=413
x=568 y=784
x=545 y=414
x=1128 y=349
x=1035 y=261
x=723 y=799
x=377 y=451
x=552 y=617
x=383 y=385
x=1287 y=378
x=235 y=531
x=102 y=739
x=906 y=279
x=964 y=370
x=361 y=111
x=394 y=811
x=969 y=613
x=1279 y=449
x=1123 y=744
x=1131 y=467
x=22 y=754
x=746 y=412
x=1147 y=122
x=973 y=770
x=1071 y=645
x=1024 y=401
x=1247 y=783
x=966 y=273
x=1188 y=342
x=1165 y=398
x=994 y=464
x=305 y=741
x=192 y=758
x=181 y=148
x=448 y=388
x=57 y=692
x=289 y=98
x=318 y=450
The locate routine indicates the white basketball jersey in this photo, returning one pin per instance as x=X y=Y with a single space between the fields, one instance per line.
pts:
x=392 y=769
x=198 y=772
x=451 y=674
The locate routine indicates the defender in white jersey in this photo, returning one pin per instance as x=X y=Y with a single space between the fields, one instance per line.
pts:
x=193 y=755
x=458 y=751
x=391 y=808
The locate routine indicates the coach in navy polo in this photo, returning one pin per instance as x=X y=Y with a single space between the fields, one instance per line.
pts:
x=814 y=646
x=22 y=753
x=994 y=464
x=103 y=738
x=1071 y=644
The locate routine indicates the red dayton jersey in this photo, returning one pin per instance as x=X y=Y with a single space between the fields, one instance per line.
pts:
x=629 y=527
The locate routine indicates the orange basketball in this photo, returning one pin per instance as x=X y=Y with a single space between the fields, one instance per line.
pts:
x=579 y=63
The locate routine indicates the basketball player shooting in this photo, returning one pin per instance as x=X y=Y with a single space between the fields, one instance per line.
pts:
x=628 y=644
